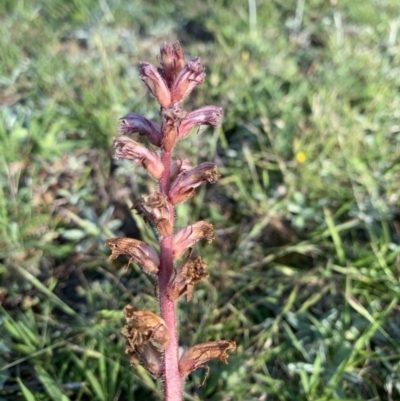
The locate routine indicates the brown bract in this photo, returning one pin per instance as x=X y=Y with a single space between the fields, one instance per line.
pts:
x=139 y=252
x=183 y=187
x=188 y=236
x=144 y=326
x=157 y=209
x=186 y=276
x=196 y=356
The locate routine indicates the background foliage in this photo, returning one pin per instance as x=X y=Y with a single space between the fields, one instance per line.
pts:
x=304 y=271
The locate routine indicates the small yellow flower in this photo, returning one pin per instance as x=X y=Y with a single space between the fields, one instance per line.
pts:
x=301 y=157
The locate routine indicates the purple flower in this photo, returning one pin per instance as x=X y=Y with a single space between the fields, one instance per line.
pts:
x=138 y=251
x=191 y=76
x=127 y=148
x=132 y=123
x=188 y=236
x=183 y=187
x=156 y=84
x=208 y=115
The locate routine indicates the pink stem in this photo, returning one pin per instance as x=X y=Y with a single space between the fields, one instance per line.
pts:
x=172 y=377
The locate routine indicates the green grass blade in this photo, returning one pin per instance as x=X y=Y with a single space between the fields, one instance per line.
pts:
x=25 y=391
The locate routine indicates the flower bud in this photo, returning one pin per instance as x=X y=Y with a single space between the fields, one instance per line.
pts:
x=144 y=326
x=126 y=148
x=196 y=356
x=178 y=166
x=155 y=83
x=183 y=187
x=132 y=123
x=139 y=252
x=158 y=210
x=208 y=115
x=179 y=57
x=191 y=76
x=187 y=275
x=172 y=61
x=188 y=236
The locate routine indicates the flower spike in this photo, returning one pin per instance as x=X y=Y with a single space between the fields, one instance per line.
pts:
x=152 y=340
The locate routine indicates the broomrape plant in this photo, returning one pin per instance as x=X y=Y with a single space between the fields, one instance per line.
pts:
x=152 y=340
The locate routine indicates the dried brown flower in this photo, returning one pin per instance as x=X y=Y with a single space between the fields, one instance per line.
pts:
x=183 y=188
x=144 y=326
x=186 y=276
x=147 y=355
x=139 y=252
x=188 y=236
x=127 y=148
x=156 y=208
x=196 y=356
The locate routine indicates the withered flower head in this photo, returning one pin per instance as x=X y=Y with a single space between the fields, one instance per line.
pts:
x=183 y=187
x=208 y=115
x=188 y=236
x=187 y=275
x=132 y=123
x=144 y=326
x=172 y=61
x=178 y=166
x=158 y=210
x=191 y=76
x=139 y=252
x=196 y=356
x=127 y=148
x=147 y=355
x=156 y=84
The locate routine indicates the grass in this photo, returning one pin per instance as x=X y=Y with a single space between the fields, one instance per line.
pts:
x=304 y=271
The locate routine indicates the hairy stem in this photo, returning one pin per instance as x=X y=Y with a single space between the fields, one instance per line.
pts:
x=172 y=377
